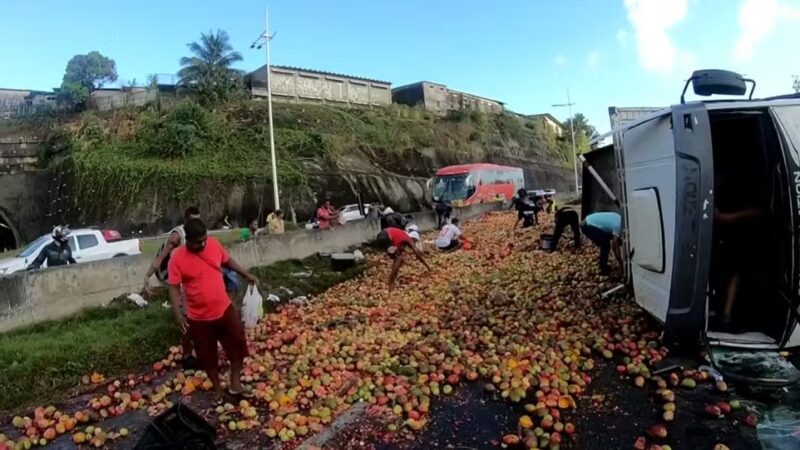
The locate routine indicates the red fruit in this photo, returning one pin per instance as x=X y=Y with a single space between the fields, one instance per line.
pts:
x=555 y=438
x=136 y=396
x=713 y=411
x=49 y=434
x=511 y=439
x=622 y=369
x=640 y=443
x=158 y=366
x=658 y=431
x=288 y=337
x=751 y=420
x=724 y=407
x=413 y=415
x=452 y=379
x=569 y=428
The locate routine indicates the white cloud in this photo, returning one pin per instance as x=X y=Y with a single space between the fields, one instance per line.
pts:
x=622 y=37
x=652 y=21
x=560 y=60
x=593 y=60
x=757 y=19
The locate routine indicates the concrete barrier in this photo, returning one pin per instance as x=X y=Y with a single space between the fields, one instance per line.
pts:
x=32 y=297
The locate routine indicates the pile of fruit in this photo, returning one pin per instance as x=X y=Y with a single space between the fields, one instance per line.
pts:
x=526 y=324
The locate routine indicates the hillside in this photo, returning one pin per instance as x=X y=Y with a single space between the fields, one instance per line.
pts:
x=140 y=167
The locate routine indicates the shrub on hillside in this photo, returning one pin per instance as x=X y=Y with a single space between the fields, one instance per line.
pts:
x=185 y=130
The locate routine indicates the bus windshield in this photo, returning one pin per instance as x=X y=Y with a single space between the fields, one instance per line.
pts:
x=447 y=188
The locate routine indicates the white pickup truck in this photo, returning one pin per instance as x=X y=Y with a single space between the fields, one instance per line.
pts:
x=87 y=245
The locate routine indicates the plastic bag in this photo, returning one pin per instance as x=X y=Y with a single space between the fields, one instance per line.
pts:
x=252 y=307
x=138 y=299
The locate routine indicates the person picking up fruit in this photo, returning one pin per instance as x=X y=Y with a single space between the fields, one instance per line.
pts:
x=604 y=229
x=527 y=210
x=395 y=241
x=196 y=267
x=564 y=217
x=450 y=237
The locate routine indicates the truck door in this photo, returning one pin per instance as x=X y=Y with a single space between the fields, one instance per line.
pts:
x=692 y=217
x=649 y=183
x=787 y=122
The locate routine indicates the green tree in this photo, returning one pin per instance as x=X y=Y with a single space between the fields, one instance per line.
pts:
x=796 y=83
x=209 y=71
x=584 y=132
x=84 y=74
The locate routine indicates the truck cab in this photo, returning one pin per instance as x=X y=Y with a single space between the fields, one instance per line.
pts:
x=710 y=198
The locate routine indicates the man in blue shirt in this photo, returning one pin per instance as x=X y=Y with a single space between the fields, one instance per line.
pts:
x=604 y=229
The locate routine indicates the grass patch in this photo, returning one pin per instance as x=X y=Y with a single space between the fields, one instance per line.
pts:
x=43 y=363
x=285 y=274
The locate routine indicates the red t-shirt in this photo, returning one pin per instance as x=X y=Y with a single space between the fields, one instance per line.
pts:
x=398 y=237
x=200 y=274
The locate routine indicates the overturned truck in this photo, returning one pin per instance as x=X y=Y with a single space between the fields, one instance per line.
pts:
x=709 y=193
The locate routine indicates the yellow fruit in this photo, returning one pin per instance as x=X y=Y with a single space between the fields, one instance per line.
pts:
x=79 y=438
x=525 y=422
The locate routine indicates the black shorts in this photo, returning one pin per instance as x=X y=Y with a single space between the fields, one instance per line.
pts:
x=453 y=244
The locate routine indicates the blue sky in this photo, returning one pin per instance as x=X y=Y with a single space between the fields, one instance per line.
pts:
x=526 y=53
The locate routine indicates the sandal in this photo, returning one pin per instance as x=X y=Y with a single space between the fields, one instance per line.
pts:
x=245 y=392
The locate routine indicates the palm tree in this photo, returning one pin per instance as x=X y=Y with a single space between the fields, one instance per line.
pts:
x=209 y=68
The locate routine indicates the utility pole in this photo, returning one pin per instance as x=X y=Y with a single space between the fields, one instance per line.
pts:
x=264 y=40
x=569 y=105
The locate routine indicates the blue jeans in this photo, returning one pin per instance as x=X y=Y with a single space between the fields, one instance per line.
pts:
x=602 y=239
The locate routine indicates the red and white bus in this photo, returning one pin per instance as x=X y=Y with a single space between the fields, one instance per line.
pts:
x=475 y=183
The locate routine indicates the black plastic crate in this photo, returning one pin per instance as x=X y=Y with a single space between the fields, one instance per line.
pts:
x=178 y=428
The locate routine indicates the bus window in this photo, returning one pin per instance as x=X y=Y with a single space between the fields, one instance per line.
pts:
x=447 y=188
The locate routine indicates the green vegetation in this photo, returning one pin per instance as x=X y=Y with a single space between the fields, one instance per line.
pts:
x=208 y=71
x=125 y=159
x=584 y=132
x=45 y=362
x=287 y=274
x=84 y=74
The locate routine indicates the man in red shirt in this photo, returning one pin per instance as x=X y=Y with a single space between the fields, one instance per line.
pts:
x=210 y=317
x=395 y=241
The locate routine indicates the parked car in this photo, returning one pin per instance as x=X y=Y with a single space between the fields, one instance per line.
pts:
x=350 y=213
x=541 y=192
x=87 y=245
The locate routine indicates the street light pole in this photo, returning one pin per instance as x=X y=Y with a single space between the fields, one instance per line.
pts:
x=572 y=134
x=264 y=40
x=267 y=38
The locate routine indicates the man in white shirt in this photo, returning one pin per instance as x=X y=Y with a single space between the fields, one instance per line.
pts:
x=449 y=236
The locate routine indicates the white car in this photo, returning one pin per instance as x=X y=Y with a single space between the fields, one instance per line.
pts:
x=350 y=213
x=541 y=192
x=87 y=245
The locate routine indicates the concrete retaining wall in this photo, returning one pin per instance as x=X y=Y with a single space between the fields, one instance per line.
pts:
x=31 y=297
